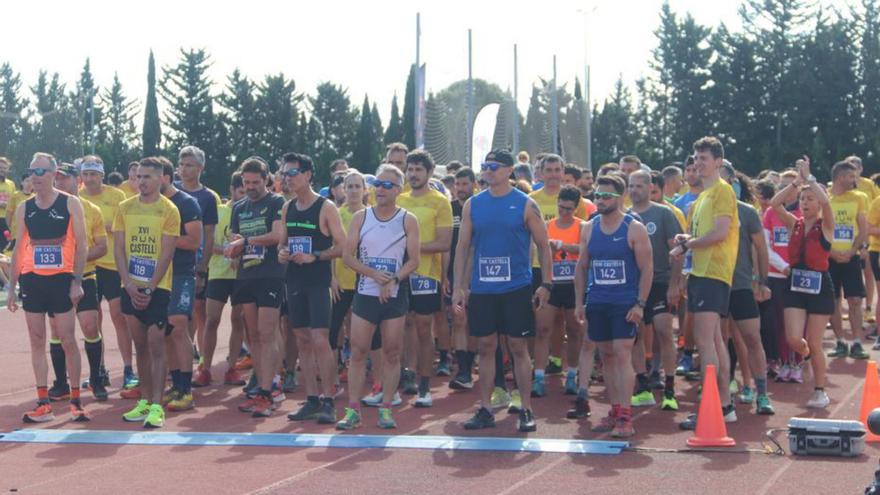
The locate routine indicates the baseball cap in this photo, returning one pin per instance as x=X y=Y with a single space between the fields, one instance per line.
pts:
x=503 y=157
x=68 y=169
x=92 y=167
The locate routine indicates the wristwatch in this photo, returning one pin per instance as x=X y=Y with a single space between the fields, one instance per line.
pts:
x=642 y=303
x=148 y=291
x=317 y=254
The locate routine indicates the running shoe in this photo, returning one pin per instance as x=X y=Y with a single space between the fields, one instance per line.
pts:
x=500 y=398
x=538 y=389
x=876 y=346
x=784 y=374
x=263 y=406
x=350 y=421
x=840 y=350
x=606 y=424
x=408 y=382
x=685 y=365
x=644 y=398
x=796 y=375
x=656 y=383
x=99 y=391
x=233 y=378
x=59 y=391
x=526 y=422
x=78 y=413
x=483 y=418
x=247 y=405
x=201 y=377
x=277 y=395
x=386 y=422
x=443 y=368
x=327 y=413
x=819 y=400
x=169 y=395
x=156 y=418
x=375 y=400
x=424 y=400
x=244 y=363
x=139 y=413
x=289 y=382
x=515 y=402
x=181 y=402
x=252 y=386
x=580 y=410
x=763 y=406
x=571 y=387
x=746 y=396
x=729 y=412
x=462 y=381
x=623 y=428
x=40 y=414
x=693 y=376
x=734 y=387
x=554 y=366
x=857 y=352
x=669 y=403
x=869 y=316
x=129 y=380
x=308 y=411
x=689 y=424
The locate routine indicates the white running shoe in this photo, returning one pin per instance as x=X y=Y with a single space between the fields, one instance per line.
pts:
x=819 y=400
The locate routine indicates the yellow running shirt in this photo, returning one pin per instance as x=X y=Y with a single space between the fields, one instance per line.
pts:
x=7 y=191
x=108 y=201
x=220 y=267
x=94 y=230
x=432 y=210
x=144 y=224
x=345 y=276
x=866 y=186
x=874 y=220
x=716 y=262
x=846 y=208
x=128 y=190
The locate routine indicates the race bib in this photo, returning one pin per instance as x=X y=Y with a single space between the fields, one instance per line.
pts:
x=563 y=270
x=46 y=257
x=688 y=262
x=495 y=269
x=387 y=265
x=843 y=233
x=299 y=244
x=609 y=272
x=780 y=236
x=806 y=281
x=419 y=285
x=141 y=269
x=253 y=252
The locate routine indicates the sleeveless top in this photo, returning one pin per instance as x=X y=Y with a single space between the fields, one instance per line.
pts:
x=564 y=262
x=304 y=235
x=501 y=243
x=381 y=245
x=809 y=249
x=614 y=273
x=48 y=242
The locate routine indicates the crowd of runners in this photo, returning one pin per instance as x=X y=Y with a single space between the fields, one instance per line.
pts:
x=374 y=290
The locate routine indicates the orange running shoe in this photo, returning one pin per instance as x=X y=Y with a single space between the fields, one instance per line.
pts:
x=78 y=413
x=248 y=405
x=263 y=406
x=131 y=393
x=202 y=377
x=40 y=414
x=244 y=363
x=232 y=377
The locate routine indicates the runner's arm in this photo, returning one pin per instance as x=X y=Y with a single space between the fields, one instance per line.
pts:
x=192 y=238
x=775 y=260
x=79 y=234
x=333 y=224
x=98 y=250
x=778 y=205
x=15 y=268
x=441 y=242
x=641 y=245
x=574 y=248
x=168 y=243
x=119 y=257
x=463 y=249
x=583 y=264
x=538 y=229
x=209 y=248
x=762 y=258
x=349 y=251
x=413 y=247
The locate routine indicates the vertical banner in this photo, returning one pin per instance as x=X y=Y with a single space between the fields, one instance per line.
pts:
x=484 y=131
x=420 y=104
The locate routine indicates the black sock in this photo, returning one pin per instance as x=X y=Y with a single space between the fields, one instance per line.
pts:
x=313 y=399
x=731 y=349
x=186 y=381
x=128 y=370
x=470 y=355
x=444 y=356
x=59 y=362
x=175 y=380
x=423 y=385
x=669 y=389
x=499 y=368
x=93 y=354
x=461 y=358
x=642 y=382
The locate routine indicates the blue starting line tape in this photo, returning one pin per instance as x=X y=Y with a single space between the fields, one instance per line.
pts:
x=426 y=442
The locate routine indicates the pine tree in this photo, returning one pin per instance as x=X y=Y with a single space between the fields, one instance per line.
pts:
x=868 y=27
x=278 y=115
x=332 y=108
x=409 y=112
x=436 y=131
x=240 y=116
x=13 y=126
x=117 y=128
x=378 y=133
x=86 y=101
x=186 y=89
x=394 y=133
x=614 y=127
x=152 y=130
x=366 y=141
x=58 y=128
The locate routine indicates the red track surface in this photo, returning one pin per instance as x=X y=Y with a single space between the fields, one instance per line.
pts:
x=43 y=468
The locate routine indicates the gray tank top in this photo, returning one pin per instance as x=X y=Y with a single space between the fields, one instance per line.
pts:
x=382 y=246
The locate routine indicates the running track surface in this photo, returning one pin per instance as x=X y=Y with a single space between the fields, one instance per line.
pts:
x=46 y=468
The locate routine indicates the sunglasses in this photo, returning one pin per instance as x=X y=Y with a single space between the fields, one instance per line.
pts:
x=606 y=195
x=291 y=172
x=39 y=172
x=384 y=184
x=493 y=166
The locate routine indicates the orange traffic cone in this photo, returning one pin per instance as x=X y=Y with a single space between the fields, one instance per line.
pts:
x=711 y=430
x=870 y=398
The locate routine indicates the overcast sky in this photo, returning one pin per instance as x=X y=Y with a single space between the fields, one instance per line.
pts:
x=366 y=46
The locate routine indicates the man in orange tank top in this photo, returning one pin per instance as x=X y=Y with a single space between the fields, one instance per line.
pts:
x=49 y=258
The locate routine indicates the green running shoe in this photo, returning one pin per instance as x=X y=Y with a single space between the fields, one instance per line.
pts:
x=840 y=350
x=139 y=413
x=747 y=396
x=500 y=398
x=669 y=403
x=643 y=399
x=350 y=421
x=857 y=352
x=386 y=422
x=763 y=406
x=156 y=418
x=734 y=387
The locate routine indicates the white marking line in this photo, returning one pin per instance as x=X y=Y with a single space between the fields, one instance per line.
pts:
x=559 y=461
x=788 y=462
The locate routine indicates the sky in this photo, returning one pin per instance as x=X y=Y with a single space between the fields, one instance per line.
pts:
x=366 y=46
